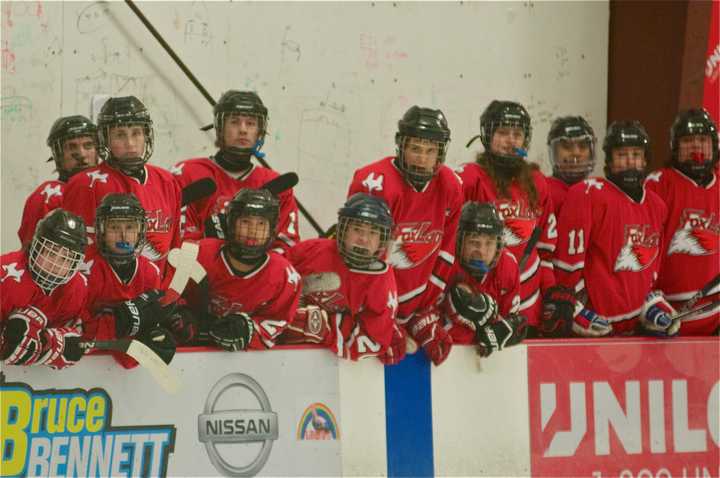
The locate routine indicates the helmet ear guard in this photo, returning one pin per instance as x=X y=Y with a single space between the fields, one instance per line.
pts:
x=362 y=208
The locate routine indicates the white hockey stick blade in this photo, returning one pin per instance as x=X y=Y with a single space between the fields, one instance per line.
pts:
x=320 y=282
x=148 y=359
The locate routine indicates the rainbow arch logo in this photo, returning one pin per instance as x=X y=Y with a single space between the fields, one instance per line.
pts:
x=318 y=423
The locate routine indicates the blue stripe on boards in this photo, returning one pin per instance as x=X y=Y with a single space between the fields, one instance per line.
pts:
x=408 y=410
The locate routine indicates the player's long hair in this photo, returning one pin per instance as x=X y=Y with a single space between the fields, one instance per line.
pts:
x=502 y=181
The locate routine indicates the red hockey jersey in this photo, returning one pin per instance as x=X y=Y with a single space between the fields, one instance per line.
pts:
x=520 y=221
x=160 y=196
x=361 y=309
x=269 y=294
x=63 y=306
x=558 y=190
x=228 y=185
x=502 y=283
x=609 y=246
x=47 y=196
x=691 y=252
x=426 y=221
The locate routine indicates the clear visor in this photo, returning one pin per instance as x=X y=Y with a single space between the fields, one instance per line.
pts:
x=52 y=264
x=572 y=158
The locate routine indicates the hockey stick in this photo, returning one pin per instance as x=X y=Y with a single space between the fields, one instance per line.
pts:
x=701 y=293
x=184 y=260
x=197 y=190
x=144 y=355
x=698 y=310
x=531 y=243
x=281 y=183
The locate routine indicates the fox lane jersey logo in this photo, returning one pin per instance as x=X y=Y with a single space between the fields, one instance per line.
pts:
x=414 y=243
x=698 y=234
x=158 y=238
x=520 y=220
x=640 y=248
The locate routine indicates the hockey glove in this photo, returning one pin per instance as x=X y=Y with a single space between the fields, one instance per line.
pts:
x=310 y=326
x=428 y=332
x=22 y=337
x=160 y=341
x=232 y=332
x=563 y=314
x=501 y=334
x=395 y=352
x=474 y=310
x=138 y=315
x=656 y=317
x=215 y=226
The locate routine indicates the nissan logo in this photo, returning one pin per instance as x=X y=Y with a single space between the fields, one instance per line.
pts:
x=237 y=426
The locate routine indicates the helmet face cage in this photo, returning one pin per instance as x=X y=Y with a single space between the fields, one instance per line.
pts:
x=249 y=203
x=479 y=218
x=504 y=114
x=691 y=123
x=360 y=257
x=424 y=124
x=413 y=173
x=52 y=264
x=236 y=103
x=66 y=128
x=571 y=129
x=625 y=133
x=116 y=207
x=125 y=111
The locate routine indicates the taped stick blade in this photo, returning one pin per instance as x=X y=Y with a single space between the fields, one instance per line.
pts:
x=149 y=360
x=320 y=282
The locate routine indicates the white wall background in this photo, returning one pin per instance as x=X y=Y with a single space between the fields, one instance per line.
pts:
x=335 y=76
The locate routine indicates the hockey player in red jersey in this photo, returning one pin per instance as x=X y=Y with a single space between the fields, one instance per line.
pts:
x=249 y=296
x=483 y=282
x=571 y=146
x=518 y=190
x=349 y=294
x=609 y=241
x=44 y=295
x=73 y=142
x=424 y=197
x=123 y=297
x=126 y=139
x=241 y=121
x=689 y=186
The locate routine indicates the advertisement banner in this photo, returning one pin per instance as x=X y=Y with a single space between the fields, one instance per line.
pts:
x=711 y=86
x=626 y=408
x=236 y=414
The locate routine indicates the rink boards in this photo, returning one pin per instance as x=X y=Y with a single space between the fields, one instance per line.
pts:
x=624 y=407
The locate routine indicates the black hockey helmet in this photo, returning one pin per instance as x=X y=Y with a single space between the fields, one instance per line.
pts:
x=247 y=103
x=693 y=122
x=125 y=111
x=362 y=208
x=479 y=218
x=57 y=248
x=251 y=202
x=427 y=124
x=500 y=114
x=117 y=206
x=625 y=133
x=571 y=129
x=63 y=129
